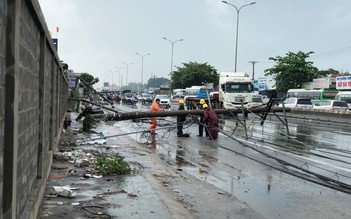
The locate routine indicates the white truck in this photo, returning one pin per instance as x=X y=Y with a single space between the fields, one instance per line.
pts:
x=235 y=90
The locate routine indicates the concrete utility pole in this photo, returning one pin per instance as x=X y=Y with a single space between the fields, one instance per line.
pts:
x=148 y=114
x=253 y=69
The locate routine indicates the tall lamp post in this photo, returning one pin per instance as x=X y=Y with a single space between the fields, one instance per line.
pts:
x=119 y=76
x=172 y=43
x=142 y=69
x=127 y=64
x=237 y=28
x=113 y=79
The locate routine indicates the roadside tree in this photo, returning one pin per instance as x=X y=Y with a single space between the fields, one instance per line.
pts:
x=89 y=78
x=293 y=70
x=194 y=73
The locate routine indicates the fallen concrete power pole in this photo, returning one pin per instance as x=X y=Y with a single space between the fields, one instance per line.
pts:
x=147 y=114
x=140 y=114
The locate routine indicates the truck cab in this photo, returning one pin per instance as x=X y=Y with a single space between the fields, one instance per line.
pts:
x=235 y=90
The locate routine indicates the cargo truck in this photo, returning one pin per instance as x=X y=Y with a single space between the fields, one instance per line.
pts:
x=235 y=90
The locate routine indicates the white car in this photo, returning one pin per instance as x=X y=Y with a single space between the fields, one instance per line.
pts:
x=336 y=105
x=165 y=101
x=293 y=102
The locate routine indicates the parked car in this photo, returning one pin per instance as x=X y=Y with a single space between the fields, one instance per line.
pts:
x=146 y=98
x=336 y=105
x=165 y=101
x=344 y=96
x=293 y=102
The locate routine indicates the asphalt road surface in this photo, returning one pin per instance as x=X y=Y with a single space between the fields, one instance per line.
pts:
x=302 y=175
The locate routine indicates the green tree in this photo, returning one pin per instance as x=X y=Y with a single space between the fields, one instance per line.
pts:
x=293 y=70
x=330 y=71
x=194 y=73
x=89 y=78
x=156 y=82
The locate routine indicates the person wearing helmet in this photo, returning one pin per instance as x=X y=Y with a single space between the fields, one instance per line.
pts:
x=202 y=123
x=180 y=119
x=211 y=118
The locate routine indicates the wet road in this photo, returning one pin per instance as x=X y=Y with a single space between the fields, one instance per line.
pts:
x=243 y=167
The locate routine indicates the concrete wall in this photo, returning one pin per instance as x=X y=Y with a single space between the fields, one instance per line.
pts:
x=2 y=94
x=33 y=100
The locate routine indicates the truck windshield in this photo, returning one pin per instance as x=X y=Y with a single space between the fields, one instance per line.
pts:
x=238 y=88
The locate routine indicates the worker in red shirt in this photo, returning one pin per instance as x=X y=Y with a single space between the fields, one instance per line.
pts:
x=210 y=117
x=154 y=107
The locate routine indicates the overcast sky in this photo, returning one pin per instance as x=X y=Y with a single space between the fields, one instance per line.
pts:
x=96 y=36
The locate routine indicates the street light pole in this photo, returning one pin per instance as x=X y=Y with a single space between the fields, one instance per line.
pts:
x=172 y=43
x=237 y=28
x=113 y=79
x=142 y=69
x=119 y=75
x=127 y=64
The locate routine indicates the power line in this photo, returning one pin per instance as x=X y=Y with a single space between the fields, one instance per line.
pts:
x=332 y=52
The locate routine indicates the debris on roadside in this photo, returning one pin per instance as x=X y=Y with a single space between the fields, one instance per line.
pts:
x=65 y=191
x=81 y=163
x=92 y=210
x=132 y=195
x=93 y=139
x=221 y=193
x=102 y=195
x=175 y=191
x=88 y=175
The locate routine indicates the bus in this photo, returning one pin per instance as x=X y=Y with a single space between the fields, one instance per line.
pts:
x=345 y=96
x=177 y=94
x=197 y=91
x=194 y=94
x=314 y=95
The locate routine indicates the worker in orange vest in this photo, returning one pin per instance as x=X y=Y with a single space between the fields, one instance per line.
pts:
x=154 y=107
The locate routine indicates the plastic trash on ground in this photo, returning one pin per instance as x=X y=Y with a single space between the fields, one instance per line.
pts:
x=65 y=191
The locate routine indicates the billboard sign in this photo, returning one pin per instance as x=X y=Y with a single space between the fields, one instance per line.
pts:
x=71 y=77
x=320 y=83
x=343 y=83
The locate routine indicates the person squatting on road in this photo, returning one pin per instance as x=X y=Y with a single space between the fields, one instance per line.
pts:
x=211 y=118
x=180 y=119
x=154 y=107
x=202 y=123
